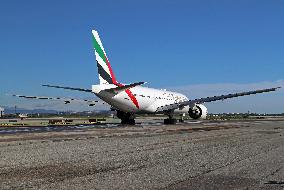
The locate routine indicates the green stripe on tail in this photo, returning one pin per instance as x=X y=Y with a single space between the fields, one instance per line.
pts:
x=98 y=49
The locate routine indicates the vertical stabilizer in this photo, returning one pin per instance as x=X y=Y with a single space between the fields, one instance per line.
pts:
x=106 y=74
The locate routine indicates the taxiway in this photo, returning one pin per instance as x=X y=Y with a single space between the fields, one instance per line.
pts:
x=194 y=155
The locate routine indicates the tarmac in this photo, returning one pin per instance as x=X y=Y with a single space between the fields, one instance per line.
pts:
x=246 y=154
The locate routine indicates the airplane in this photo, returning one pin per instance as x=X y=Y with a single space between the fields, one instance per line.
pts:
x=23 y=116
x=131 y=99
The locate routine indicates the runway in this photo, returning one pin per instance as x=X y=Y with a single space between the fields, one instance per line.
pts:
x=193 y=155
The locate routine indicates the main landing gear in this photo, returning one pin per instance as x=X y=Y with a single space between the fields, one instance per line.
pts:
x=171 y=120
x=126 y=118
x=129 y=118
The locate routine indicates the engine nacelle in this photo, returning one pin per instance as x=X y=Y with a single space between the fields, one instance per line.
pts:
x=199 y=111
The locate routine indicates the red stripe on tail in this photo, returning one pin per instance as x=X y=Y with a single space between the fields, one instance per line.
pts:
x=132 y=97
x=111 y=72
x=128 y=91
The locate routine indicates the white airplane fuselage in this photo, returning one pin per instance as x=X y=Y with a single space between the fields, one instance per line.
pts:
x=139 y=99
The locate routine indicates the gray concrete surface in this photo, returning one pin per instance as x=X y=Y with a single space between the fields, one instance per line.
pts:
x=206 y=155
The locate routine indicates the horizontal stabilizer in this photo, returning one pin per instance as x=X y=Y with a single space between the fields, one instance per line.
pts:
x=124 y=87
x=68 y=88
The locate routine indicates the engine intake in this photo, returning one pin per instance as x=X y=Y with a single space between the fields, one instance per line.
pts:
x=199 y=111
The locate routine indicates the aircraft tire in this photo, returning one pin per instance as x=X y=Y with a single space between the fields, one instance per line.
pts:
x=170 y=121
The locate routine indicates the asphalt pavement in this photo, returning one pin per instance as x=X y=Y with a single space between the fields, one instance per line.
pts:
x=193 y=155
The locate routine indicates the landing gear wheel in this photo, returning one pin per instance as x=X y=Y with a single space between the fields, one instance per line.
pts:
x=170 y=121
x=128 y=122
x=126 y=118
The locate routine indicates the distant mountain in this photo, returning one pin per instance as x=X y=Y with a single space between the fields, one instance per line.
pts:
x=11 y=110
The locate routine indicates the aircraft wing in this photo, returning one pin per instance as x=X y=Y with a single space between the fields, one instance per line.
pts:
x=212 y=99
x=68 y=88
x=65 y=100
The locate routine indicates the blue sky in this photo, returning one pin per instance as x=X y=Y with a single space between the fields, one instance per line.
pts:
x=169 y=44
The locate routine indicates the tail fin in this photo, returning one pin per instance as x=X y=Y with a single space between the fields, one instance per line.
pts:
x=106 y=74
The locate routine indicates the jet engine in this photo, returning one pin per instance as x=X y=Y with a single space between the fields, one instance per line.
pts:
x=199 y=111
